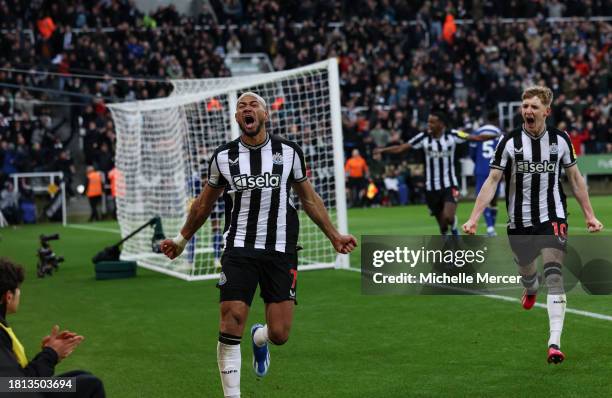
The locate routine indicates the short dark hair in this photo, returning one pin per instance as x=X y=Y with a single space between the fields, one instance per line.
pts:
x=439 y=110
x=11 y=275
x=441 y=115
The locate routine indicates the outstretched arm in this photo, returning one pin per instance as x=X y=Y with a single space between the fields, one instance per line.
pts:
x=314 y=207
x=199 y=212
x=481 y=137
x=482 y=201
x=394 y=149
x=582 y=196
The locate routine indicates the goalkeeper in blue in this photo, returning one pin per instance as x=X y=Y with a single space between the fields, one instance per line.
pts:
x=481 y=153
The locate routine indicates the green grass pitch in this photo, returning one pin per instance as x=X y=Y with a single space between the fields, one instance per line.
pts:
x=155 y=336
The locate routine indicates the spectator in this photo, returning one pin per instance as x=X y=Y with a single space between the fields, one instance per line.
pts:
x=55 y=347
x=115 y=183
x=65 y=164
x=386 y=64
x=392 y=187
x=9 y=203
x=380 y=135
x=9 y=158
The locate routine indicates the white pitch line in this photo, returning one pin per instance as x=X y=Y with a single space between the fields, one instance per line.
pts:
x=588 y=314
x=540 y=305
x=92 y=228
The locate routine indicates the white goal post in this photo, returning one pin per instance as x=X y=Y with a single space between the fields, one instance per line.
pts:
x=164 y=145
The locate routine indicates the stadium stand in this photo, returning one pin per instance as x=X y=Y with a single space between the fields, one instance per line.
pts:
x=59 y=66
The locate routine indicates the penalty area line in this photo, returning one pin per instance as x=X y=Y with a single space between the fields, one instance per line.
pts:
x=587 y=314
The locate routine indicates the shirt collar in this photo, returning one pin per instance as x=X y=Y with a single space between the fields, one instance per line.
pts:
x=533 y=136
x=256 y=146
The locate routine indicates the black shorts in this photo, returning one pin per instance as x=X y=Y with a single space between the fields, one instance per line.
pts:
x=527 y=242
x=243 y=269
x=357 y=183
x=436 y=199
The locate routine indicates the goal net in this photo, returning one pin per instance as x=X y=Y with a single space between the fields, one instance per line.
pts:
x=164 y=145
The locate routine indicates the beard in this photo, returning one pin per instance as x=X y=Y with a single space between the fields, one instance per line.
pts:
x=251 y=133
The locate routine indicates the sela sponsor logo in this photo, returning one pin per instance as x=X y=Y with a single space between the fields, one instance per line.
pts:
x=245 y=182
x=440 y=154
x=277 y=158
x=525 y=166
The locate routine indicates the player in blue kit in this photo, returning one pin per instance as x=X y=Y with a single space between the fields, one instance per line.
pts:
x=481 y=153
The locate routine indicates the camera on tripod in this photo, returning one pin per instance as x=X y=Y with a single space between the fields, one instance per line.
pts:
x=48 y=261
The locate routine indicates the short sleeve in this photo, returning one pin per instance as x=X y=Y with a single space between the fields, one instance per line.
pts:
x=215 y=178
x=298 y=169
x=500 y=159
x=568 y=158
x=459 y=136
x=418 y=140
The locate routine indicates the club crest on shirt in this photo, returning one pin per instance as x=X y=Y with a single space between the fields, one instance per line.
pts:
x=277 y=158
x=554 y=149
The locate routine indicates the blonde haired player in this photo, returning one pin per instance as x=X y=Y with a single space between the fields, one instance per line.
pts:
x=531 y=158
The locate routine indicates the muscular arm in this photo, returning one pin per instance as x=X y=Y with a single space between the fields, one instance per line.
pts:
x=314 y=207
x=486 y=194
x=200 y=210
x=582 y=196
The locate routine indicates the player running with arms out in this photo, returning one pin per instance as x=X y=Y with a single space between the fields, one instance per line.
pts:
x=439 y=145
x=257 y=170
x=531 y=158
x=482 y=152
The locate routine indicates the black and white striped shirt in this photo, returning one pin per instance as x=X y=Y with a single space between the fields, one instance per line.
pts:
x=439 y=158
x=532 y=169
x=260 y=213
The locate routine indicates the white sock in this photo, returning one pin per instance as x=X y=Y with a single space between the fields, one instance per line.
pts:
x=260 y=337
x=228 y=358
x=555 y=304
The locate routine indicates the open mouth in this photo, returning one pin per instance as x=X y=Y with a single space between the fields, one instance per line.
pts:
x=249 y=121
x=530 y=120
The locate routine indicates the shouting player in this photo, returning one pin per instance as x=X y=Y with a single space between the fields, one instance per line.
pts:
x=257 y=171
x=482 y=153
x=531 y=158
x=440 y=178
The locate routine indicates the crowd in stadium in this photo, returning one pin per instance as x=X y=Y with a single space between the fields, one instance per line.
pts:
x=59 y=66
